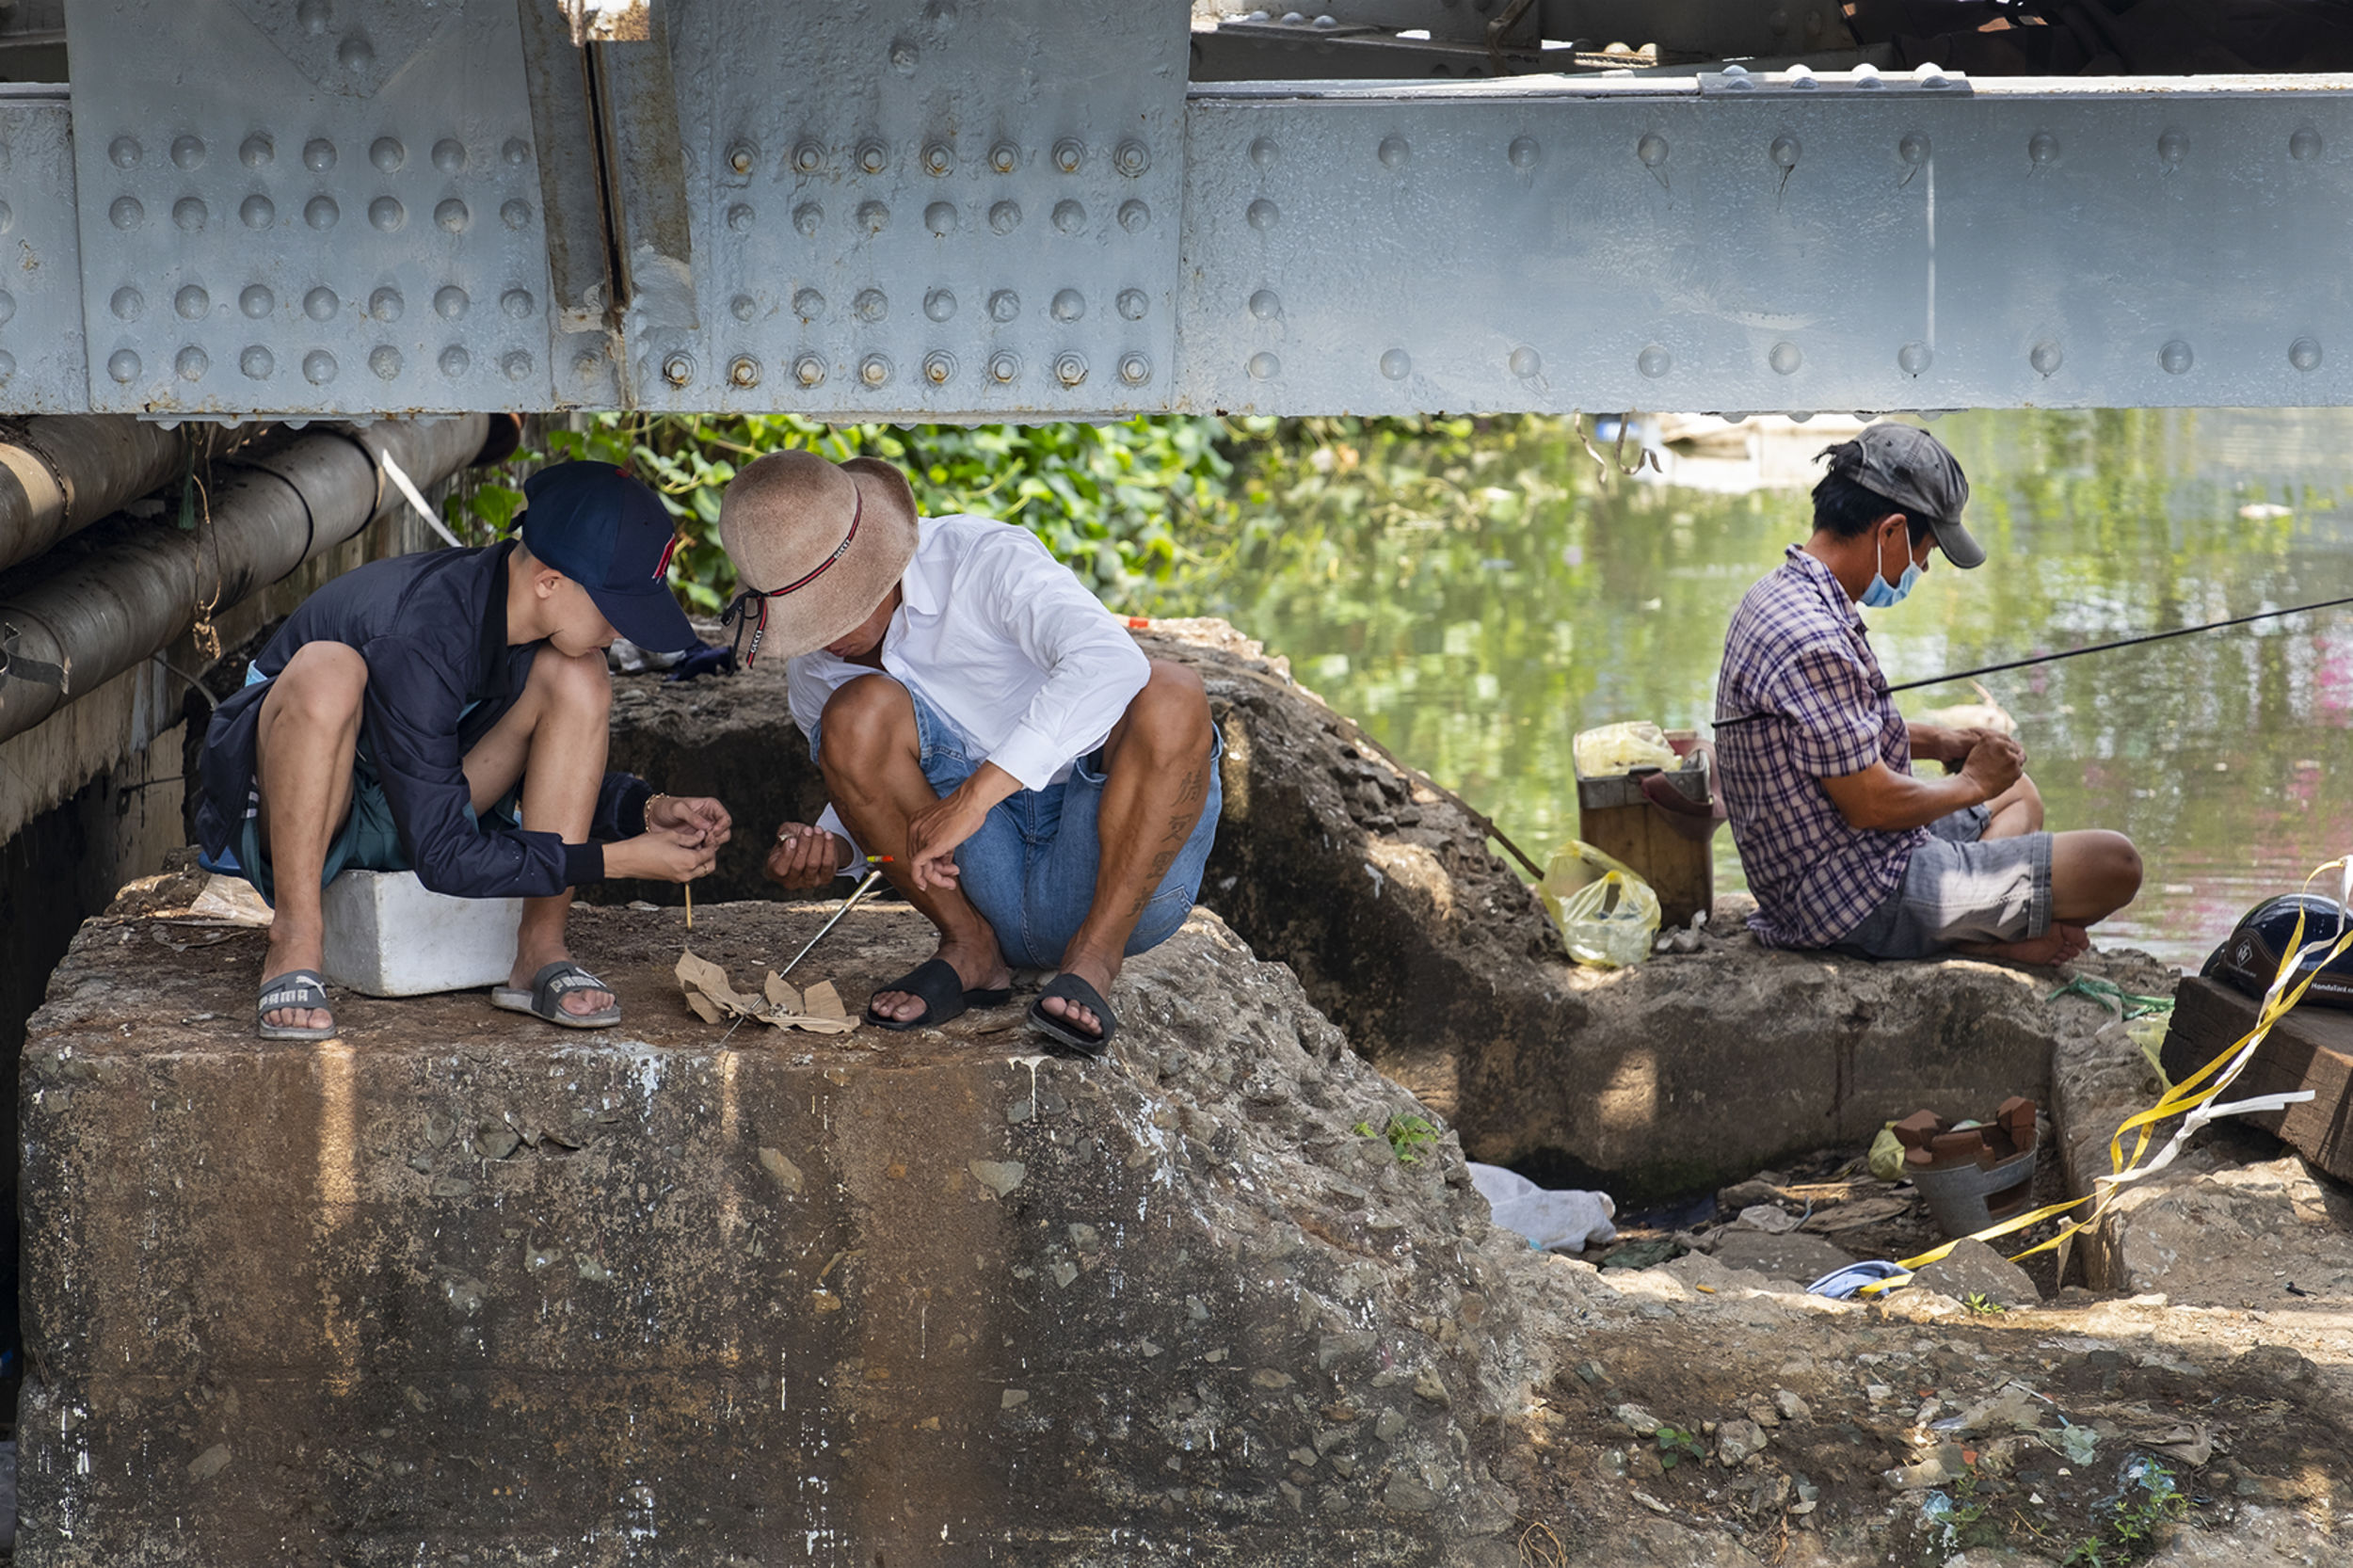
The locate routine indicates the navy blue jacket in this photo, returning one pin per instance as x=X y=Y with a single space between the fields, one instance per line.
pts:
x=433 y=630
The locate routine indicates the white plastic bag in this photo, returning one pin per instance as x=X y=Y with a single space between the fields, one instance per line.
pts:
x=1616 y=748
x=1552 y=1221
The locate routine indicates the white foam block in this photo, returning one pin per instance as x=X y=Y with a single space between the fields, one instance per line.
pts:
x=387 y=937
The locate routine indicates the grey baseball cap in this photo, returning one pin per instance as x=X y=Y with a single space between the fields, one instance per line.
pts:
x=1922 y=480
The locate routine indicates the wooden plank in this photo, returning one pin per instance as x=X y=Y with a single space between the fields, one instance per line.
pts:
x=2309 y=1048
x=1679 y=870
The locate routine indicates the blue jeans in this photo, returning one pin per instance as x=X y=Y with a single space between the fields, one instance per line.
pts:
x=1030 y=870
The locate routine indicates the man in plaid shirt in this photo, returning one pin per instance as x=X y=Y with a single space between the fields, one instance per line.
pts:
x=1844 y=846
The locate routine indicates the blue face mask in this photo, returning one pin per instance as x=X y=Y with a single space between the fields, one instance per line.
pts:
x=1881 y=594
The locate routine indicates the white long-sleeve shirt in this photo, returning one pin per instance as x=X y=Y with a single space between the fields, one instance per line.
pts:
x=1005 y=641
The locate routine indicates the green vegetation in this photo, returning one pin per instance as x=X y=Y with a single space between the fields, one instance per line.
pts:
x=1407 y=1136
x=1982 y=1306
x=1675 y=1444
x=2136 y=1521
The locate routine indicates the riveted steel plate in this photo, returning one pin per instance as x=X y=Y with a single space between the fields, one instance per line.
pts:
x=308 y=206
x=42 y=367
x=1724 y=29
x=2120 y=243
x=935 y=209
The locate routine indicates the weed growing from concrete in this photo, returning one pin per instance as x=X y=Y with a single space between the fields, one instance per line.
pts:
x=1408 y=1136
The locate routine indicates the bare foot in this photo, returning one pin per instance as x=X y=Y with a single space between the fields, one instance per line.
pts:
x=2058 y=945
x=1096 y=972
x=527 y=966
x=289 y=950
x=978 y=965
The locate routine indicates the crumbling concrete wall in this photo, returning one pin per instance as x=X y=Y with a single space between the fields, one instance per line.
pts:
x=463 y=1287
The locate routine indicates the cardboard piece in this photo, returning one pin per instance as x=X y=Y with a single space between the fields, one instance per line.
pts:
x=714 y=1000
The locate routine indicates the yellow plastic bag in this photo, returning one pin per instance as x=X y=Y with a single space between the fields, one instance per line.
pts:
x=1575 y=865
x=1607 y=914
x=1616 y=748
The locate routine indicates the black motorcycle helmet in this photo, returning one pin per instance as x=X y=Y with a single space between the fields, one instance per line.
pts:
x=2251 y=957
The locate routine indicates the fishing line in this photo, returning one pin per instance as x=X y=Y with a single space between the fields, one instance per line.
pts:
x=2075 y=653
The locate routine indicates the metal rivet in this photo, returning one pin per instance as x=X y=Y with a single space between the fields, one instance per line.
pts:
x=320 y=212
x=1134 y=369
x=517 y=303
x=1653 y=361
x=127 y=303
x=744 y=371
x=1652 y=150
x=1006 y=217
x=386 y=304
x=387 y=153
x=1069 y=216
x=315 y=16
x=940 y=14
x=809 y=304
x=318 y=367
x=1070 y=155
x=387 y=214
x=1133 y=303
x=455 y=361
x=1134 y=217
x=1913 y=149
x=807 y=217
x=1266 y=305
x=449 y=156
x=516 y=363
x=256 y=301
x=1264 y=214
x=1069 y=305
x=2175 y=357
x=1525 y=362
x=679 y=369
x=256 y=151
x=2042 y=147
x=1394 y=150
x=1524 y=153
x=453 y=216
x=938 y=158
x=355 y=54
x=1004 y=157
x=321 y=304
x=190 y=214
x=904 y=56
x=2172 y=146
x=259 y=212
x=257 y=362
x=1785 y=151
x=740 y=217
x=449 y=300
x=1785 y=357
x=318 y=155
x=873 y=216
x=1131 y=158
x=742 y=157
x=192 y=303
x=123 y=365
x=808 y=370
x=807 y=157
x=385 y=361
x=870 y=305
x=940 y=218
x=515 y=213
x=1397 y=364
x=938 y=366
x=2304 y=353
x=1265 y=153
x=872 y=157
x=2304 y=145
x=189 y=153
x=939 y=305
x=124 y=151
x=1262 y=366
x=1070 y=369
x=126 y=213
x=874 y=370
x=1003 y=366
x=587 y=363
x=743 y=307
x=1005 y=305
x=2045 y=357
x=516 y=152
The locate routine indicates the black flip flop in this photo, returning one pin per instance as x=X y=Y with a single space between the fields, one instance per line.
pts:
x=1070 y=987
x=941 y=990
x=545 y=996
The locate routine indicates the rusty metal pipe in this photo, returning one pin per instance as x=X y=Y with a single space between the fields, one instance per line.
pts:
x=59 y=474
x=120 y=593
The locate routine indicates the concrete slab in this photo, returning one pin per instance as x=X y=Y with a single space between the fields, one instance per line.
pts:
x=387 y=936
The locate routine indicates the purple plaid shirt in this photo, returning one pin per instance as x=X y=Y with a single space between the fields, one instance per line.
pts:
x=1796 y=651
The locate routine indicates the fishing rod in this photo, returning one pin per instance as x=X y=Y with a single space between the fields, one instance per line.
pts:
x=2078 y=652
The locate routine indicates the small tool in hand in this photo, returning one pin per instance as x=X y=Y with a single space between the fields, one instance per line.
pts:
x=875 y=864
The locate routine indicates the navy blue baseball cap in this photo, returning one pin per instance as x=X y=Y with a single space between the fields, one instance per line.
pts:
x=607 y=531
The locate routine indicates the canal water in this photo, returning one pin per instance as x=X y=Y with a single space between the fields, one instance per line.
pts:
x=1474 y=599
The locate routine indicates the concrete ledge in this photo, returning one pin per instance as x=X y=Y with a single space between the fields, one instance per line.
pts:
x=465 y=1287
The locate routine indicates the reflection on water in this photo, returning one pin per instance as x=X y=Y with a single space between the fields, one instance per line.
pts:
x=1473 y=603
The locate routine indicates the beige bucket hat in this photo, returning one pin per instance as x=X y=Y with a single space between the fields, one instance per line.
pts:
x=822 y=542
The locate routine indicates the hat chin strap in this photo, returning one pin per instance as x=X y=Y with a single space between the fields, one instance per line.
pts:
x=740 y=609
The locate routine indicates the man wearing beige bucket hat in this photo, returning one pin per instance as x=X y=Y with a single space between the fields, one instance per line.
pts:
x=1044 y=794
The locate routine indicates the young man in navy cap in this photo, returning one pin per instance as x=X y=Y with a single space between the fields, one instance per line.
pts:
x=393 y=720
